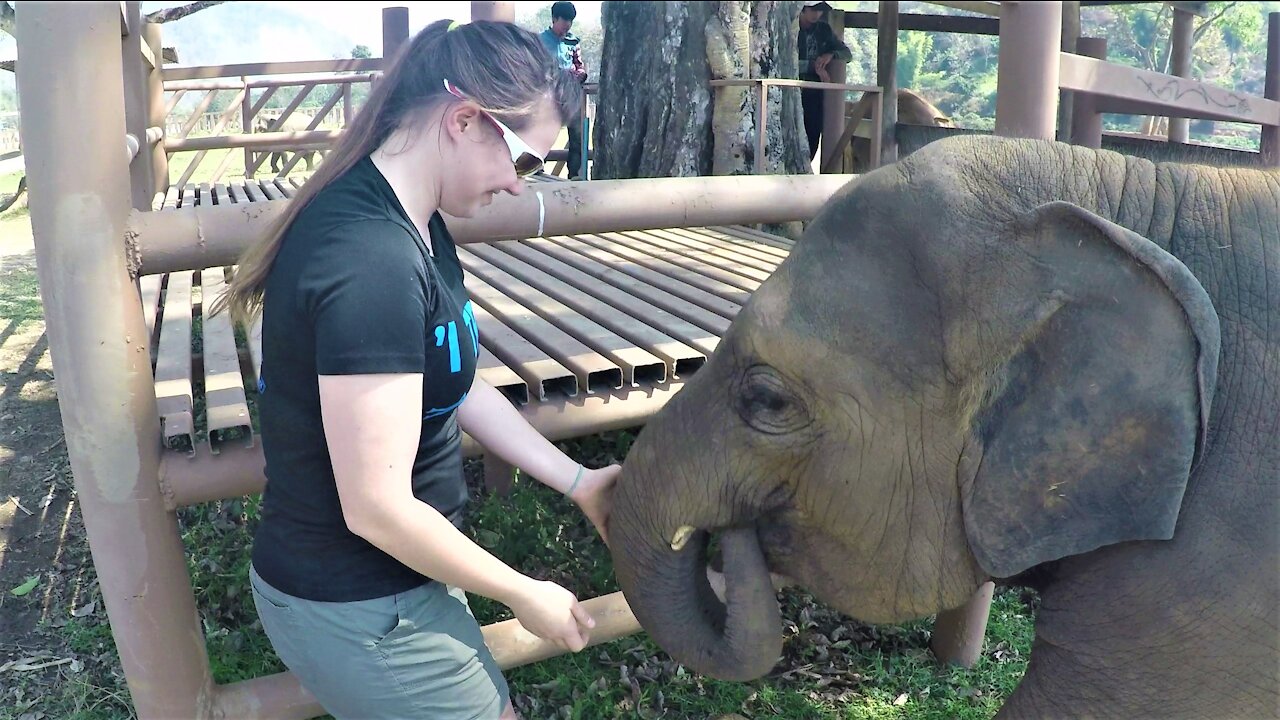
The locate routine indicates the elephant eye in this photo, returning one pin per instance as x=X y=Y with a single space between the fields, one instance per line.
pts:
x=768 y=405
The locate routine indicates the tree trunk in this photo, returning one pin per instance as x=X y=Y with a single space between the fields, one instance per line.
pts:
x=657 y=116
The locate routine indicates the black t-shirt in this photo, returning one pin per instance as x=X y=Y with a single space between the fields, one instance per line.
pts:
x=354 y=290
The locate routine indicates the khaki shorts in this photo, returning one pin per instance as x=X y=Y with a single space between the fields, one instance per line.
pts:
x=415 y=654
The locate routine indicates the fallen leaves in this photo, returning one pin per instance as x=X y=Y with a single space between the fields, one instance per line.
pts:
x=26 y=587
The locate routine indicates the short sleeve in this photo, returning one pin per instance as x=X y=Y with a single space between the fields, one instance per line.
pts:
x=366 y=294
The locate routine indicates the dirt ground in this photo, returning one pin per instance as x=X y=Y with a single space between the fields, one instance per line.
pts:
x=49 y=601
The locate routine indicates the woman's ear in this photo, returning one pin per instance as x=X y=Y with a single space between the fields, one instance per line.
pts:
x=1097 y=410
x=462 y=121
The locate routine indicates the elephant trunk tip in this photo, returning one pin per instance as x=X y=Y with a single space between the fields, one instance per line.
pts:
x=732 y=632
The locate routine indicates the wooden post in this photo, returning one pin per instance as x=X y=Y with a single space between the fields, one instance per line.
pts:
x=73 y=128
x=1027 y=80
x=1070 y=36
x=137 y=115
x=1271 y=91
x=833 y=101
x=499 y=475
x=395 y=33
x=246 y=126
x=1183 y=29
x=156 y=108
x=1086 y=121
x=887 y=79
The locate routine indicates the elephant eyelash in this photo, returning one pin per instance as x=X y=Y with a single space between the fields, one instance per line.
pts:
x=768 y=406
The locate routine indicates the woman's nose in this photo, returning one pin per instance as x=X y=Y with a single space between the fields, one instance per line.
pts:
x=516 y=187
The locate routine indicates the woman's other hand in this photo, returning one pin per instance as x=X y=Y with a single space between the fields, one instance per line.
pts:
x=553 y=613
x=594 y=495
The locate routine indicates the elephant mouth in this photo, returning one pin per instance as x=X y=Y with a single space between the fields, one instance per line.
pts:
x=715 y=563
x=723 y=621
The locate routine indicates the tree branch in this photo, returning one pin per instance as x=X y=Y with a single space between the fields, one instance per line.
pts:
x=177 y=13
x=8 y=20
x=1202 y=27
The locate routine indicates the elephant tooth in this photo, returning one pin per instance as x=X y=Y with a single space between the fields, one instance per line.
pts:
x=683 y=533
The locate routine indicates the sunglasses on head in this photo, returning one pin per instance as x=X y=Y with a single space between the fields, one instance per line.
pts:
x=523 y=157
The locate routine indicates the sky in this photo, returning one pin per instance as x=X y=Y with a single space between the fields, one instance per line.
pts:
x=317 y=28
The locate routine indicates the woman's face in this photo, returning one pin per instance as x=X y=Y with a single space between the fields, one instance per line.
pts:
x=480 y=166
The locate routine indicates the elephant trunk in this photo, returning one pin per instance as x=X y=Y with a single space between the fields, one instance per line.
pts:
x=664 y=579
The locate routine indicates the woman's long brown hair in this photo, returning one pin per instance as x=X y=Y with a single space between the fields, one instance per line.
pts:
x=504 y=68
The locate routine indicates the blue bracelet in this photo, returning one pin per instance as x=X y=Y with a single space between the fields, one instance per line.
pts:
x=574 y=486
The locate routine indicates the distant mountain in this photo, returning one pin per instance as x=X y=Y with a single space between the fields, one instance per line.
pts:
x=239 y=32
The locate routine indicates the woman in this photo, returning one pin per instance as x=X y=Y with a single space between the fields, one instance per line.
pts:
x=369 y=349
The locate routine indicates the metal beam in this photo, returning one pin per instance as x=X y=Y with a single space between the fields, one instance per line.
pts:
x=1030 y=38
x=300 y=67
x=1180 y=65
x=1122 y=89
x=928 y=23
x=211 y=236
x=72 y=129
x=887 y=79
x=983 y=8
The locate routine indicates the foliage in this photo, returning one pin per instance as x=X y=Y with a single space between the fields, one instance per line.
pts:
x=958 y=72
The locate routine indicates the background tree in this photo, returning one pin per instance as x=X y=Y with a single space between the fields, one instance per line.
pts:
x=657 y=115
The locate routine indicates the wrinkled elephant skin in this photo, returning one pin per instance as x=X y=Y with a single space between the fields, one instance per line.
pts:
x=1009 y=359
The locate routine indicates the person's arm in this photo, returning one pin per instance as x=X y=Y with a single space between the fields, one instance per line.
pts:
x=494 y=422
x=834 y=45
x=372 y=424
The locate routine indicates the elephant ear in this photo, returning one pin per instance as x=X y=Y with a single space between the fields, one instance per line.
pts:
x=1097 y=414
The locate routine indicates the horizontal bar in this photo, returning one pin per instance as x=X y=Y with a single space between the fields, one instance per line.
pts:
x=982 y=7
x=593 y=301
x=207 y=236
x=273 y=68
x=1130 y=90
x=787 y=82
x=637 y=365
x=237 y=471
x=235 y=84
x=263 y=141
x=928 y=23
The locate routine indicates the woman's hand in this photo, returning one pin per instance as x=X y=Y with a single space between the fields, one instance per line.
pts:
x=594 y=495
x=552 y=613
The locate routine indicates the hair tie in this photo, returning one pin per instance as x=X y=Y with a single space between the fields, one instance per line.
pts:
x=454 y=25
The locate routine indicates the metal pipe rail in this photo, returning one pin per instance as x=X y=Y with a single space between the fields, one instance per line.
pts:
x=261 y=141
x=273 y=68
x=1122 y=89
x=212 y=236
x=234 y=84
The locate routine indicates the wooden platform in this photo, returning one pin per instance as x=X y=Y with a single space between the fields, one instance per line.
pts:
x=584 y=333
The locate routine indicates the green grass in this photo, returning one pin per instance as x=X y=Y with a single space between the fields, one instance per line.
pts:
x=833 y=667
x=866 y=672
x=19 y=295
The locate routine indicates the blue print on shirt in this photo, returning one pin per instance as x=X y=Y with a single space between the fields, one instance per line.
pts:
x=436 y=412
x=448 y=334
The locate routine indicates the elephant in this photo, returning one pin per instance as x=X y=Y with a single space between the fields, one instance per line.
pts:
x=292 y=123
x=996 y=359
x=913 y=109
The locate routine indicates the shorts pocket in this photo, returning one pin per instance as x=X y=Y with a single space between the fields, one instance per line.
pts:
x=264 y=593
x=377 y=620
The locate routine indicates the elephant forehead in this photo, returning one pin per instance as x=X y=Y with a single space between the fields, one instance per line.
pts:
x=770 y=304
